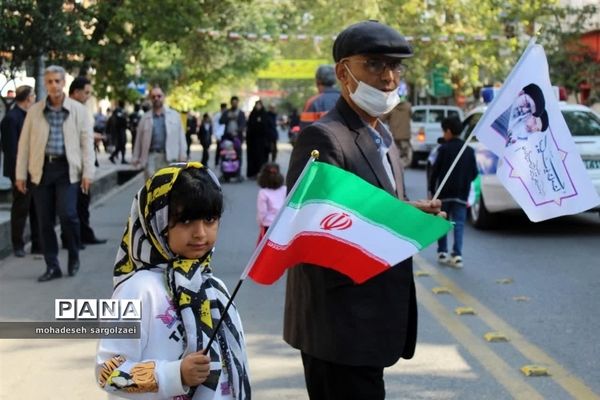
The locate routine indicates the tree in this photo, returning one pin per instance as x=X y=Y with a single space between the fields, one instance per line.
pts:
x=571 y=62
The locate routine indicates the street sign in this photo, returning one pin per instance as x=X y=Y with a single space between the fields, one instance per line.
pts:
x=438 y=84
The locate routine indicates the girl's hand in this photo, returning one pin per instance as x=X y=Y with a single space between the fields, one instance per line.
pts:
x=195 y=368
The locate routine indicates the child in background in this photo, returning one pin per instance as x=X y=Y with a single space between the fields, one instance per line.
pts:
x=455 y=192
x=271 y=196
x=165 y=261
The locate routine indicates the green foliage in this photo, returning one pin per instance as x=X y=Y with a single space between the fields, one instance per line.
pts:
x=167 y=42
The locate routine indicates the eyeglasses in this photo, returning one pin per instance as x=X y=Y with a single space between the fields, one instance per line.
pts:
x=377 y=66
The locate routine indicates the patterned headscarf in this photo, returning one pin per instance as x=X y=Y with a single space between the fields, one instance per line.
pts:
x=199 y=298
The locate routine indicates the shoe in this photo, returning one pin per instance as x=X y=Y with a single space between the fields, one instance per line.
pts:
x=442 y=257
x=73 y=267
x=95 y=241
x=50 y=274
x=19 y=253
x=124 y=162
x=456 y=262
x=112 y=160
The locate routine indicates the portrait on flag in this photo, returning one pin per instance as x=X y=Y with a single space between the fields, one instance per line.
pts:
x=538 y=161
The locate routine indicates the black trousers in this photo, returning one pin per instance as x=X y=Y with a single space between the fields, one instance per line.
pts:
x=329 y=381
x=120 y=142
x=22 y=207
x=83 y=211
x=57 y=195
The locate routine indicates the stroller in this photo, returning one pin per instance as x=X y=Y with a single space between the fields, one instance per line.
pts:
x=230 y=151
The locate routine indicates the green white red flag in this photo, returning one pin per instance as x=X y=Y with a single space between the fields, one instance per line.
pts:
x=334 y=219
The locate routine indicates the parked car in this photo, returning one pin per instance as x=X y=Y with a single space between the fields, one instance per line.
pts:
x=426 y=128
x=490 y=196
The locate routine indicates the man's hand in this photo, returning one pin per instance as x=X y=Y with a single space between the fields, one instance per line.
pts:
x=195 y=368
x=85 y=185
x=430 y=206
x=21 y=186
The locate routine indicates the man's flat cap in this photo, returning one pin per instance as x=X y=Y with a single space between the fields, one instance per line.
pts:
x=370 y=37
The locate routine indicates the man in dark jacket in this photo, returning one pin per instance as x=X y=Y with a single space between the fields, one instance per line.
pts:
x=22 y=206
x=348 y=333
x=318 y=105
x=455 y=192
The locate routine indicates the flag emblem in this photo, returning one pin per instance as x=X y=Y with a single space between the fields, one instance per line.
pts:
x=336 y=221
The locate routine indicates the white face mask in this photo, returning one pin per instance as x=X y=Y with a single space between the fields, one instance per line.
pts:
x=371 y=100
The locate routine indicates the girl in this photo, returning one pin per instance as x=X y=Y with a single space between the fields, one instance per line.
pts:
x=164 y=260
x=270 y=197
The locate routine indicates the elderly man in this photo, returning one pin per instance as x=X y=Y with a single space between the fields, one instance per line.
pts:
x=22 y=206
x=56 y=150
x=349 y=333
x=160 y=137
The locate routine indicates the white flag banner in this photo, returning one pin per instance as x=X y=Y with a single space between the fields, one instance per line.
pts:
x=538 y=161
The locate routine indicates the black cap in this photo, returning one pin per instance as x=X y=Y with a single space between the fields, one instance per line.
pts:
x=370 y=37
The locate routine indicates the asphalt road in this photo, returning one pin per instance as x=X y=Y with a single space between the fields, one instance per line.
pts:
x=545 y=304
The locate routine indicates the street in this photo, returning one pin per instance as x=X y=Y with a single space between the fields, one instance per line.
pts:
x=537 y=284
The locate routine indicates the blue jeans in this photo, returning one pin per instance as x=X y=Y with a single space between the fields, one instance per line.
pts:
x=457 y=213
x=55 y=194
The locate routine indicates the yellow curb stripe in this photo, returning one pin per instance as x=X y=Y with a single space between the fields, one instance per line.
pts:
x=496 y=366
x=573 y=385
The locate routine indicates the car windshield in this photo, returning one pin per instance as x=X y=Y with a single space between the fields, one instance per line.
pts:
x=582 y=123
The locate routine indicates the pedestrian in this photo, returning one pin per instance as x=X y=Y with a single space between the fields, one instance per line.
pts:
x=56 y=150
x=117 y=126
x=100 y=120
x=218 y=130
x=205 y=133
x=165 y=261
x=319 y=104
x=455 y=192
x=80 y=91
x=191 y=128
x=234 y=119
x=160 y=137
x=348 y=333
x=134 y=120
x=271 y=196
x=273 y=134
x=22 y=205
x=398 y=121
x=257 y=140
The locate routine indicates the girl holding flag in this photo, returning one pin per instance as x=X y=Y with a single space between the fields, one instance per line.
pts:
x=165 y=261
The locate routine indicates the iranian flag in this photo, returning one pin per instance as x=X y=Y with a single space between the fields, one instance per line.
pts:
x=334 y=219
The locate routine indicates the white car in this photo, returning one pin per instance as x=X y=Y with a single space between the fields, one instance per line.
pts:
x=426 y=128
x=490 y=196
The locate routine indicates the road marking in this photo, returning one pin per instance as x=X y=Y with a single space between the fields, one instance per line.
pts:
x=495 y=337
x=506 y=375
x=573 y=385
x=464 y=311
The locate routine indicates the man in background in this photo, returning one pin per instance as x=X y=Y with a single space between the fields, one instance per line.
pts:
x=81 y=90
x=22 y=204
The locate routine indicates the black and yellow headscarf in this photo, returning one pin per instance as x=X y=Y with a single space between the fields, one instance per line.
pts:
x=198 y=297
